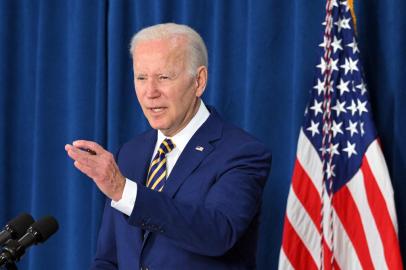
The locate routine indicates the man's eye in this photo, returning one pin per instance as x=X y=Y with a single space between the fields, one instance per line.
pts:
x=140 y=78
x=163 y=77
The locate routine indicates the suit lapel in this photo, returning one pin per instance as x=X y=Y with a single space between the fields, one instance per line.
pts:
x=195 y=151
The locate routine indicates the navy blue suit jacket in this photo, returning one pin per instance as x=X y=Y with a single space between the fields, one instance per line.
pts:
x=206 y=217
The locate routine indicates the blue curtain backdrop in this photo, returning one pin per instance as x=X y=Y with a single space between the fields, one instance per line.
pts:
x=65 y=74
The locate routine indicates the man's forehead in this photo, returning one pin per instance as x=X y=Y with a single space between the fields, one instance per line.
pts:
x=162 y=52
x=174 y=42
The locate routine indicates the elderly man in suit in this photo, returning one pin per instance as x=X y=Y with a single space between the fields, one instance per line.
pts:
x=185 y=194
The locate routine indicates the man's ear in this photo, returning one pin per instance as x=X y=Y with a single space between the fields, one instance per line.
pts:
x=201 y=80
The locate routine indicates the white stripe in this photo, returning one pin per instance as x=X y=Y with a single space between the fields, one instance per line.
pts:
x=326 y=219
x=303 y=225
x=344 y=252
x=284 y=263
x=312 y=165
x=310 y=160
x=379 y=169
x=357 y=189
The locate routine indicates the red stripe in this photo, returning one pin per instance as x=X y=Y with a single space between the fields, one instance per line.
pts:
x=306 y=193
x=349 y=216
x=382 y=218
x=296 y=252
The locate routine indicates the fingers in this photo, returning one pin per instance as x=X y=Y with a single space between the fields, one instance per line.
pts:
x=80 y=155
x=89 y=145
x=102 y=167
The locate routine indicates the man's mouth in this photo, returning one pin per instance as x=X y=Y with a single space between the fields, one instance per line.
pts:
x=157 y=109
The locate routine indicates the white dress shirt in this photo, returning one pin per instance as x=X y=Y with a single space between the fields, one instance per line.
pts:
x=128 y=200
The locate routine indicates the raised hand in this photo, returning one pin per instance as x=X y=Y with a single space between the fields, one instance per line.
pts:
x=99 y=164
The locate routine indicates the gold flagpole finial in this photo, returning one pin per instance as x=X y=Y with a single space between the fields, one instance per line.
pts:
x=354 y=18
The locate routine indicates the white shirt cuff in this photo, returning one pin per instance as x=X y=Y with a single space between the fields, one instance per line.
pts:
x=127 y=201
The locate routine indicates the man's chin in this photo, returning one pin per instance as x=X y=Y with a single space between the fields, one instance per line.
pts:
x=164 y=129
x=158 y=126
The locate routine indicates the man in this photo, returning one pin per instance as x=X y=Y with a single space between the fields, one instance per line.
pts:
x=186 y=194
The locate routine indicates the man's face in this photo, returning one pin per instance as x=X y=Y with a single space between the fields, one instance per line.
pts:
x=168 y=94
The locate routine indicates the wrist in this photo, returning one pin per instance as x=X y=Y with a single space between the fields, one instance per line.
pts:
x=119 y=190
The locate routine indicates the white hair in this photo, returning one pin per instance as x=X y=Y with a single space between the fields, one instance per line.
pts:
x=195 y=47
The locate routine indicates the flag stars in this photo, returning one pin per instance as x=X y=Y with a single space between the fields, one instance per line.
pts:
x=350 y=65
x=336 y=44
x=323 y=65
x=343 y=86
x=339 y=107
x=362 y=87
x=334 y=3
x=345 y=4
x=319 y=87
x=314 y=128
x=352 y=86
x=323 y=151
x=353 y=108
x=317 y=107
x=352 y=128
x=324 y=44
x=350 y=149
x=329 y=87
x=333 y=150
x=361 y=127
x=361 y=107
x=343 y=23
x=326 y=127
x=353 y=45
x=334 y=65
x=336 y=128
x=330 y=170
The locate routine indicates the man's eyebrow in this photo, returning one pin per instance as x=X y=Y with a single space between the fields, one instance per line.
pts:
x=140 y=74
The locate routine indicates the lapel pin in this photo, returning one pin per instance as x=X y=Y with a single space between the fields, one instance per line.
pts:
x=199 y=148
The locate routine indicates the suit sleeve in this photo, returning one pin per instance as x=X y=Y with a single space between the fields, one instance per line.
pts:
x=213 y=226
x=105 y=258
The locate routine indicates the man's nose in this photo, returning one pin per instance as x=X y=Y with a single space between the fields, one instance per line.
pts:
x=152 y=89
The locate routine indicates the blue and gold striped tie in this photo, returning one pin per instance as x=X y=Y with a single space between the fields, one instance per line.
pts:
x=157 y=170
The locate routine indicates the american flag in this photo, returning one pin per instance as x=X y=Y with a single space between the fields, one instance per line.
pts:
x=340 y=212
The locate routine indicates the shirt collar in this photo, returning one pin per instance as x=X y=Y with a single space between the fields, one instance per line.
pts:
x=181 y=138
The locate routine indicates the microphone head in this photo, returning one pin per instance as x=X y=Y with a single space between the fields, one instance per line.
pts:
x=19 y=225
x=44 y=228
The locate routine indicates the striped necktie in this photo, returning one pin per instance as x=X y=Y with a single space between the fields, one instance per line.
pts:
x=157 y=170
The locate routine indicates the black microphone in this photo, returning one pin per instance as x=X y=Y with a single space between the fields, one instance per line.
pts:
x=39 y=232
x=16 y=228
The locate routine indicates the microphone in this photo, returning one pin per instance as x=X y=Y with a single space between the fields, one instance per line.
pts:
x=39 y=232
x=16 y=228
